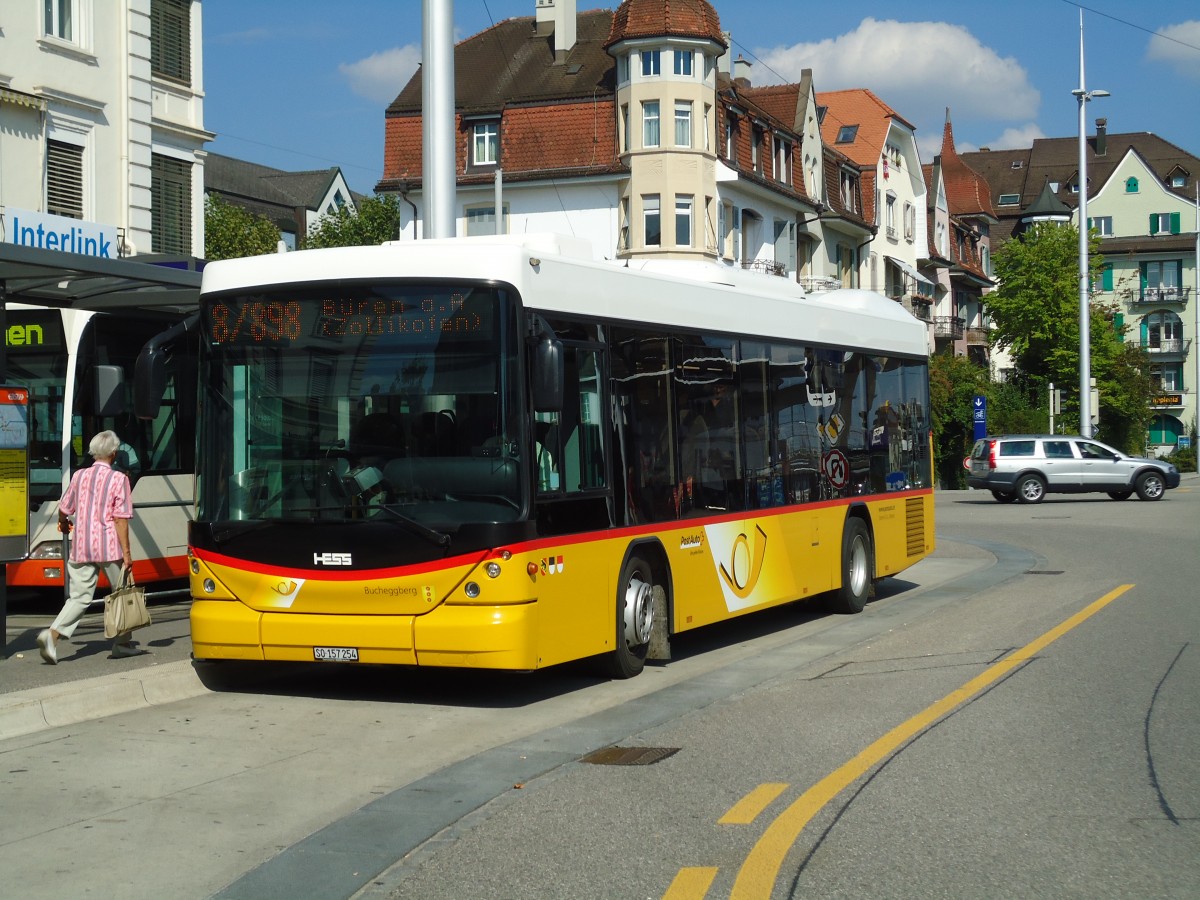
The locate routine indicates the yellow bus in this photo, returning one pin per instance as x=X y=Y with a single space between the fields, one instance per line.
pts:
x=501 y=453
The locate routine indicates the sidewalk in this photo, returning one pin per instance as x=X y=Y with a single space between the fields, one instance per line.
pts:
x=88 y=683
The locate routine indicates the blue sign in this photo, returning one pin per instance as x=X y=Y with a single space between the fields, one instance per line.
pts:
x=980 y=417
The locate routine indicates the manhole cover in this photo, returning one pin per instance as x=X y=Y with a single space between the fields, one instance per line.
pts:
x=629 y=756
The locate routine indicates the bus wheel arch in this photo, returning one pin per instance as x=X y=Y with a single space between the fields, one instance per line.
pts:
x=857 y=564
x=643 y=569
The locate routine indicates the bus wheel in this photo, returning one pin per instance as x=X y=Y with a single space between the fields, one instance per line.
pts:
x=635 y=619
x=858 y=566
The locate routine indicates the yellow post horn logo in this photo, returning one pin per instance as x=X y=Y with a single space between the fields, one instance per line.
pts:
x=745 y=563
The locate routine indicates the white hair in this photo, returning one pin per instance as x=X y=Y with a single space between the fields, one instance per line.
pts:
x=104 y=445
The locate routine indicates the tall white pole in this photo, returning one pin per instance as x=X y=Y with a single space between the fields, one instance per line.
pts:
x=1196 y=332
x=1085 y=319
x=437 y=115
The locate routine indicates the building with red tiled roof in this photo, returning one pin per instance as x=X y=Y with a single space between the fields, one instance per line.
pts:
x=629 y=129
x=960 y=252
x=1141 y=205
x=872 y=135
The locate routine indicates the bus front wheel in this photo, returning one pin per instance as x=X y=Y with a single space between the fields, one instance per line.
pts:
x=858 y=568
x=635 y=619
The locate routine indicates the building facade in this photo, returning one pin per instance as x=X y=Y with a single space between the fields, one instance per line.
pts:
x=102 y=126
x=635 y=130
x=291 y=201
x=1142 y=203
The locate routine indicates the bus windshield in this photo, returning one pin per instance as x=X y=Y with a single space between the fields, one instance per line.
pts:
x=373 y=401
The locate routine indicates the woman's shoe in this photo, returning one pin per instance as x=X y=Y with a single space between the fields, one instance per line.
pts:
x=46 y=646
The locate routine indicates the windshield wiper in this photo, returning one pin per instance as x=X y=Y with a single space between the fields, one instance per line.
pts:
x=438 y=538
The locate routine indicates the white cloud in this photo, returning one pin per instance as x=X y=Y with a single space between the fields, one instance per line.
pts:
x=381 y=76
x=917 y=68
x=1179 y=47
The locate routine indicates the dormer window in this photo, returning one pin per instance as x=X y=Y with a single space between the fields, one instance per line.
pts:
x=1010 y=199
x=1178 y=181
x=846 y=134
x=485 y=145
x=683 y=63
x=651 y=63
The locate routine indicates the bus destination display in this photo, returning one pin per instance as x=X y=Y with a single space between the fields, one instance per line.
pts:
x=278 y=323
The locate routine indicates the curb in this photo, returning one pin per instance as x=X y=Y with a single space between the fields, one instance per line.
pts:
x=37 y=709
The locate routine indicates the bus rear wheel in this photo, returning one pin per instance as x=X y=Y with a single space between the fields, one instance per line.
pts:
x=858 y=568
x=634 y=619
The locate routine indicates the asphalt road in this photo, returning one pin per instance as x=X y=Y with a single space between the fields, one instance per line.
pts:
x=1069 y=771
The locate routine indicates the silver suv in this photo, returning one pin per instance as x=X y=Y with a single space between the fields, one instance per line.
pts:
x=1026 y=467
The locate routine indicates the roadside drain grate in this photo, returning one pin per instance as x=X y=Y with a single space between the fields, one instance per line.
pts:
x=1044 y=572
x=629 y=756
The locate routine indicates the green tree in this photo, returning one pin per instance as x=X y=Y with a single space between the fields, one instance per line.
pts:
x=954 y=381
x=1036 y=313
x=376 y=220
x=233 y=231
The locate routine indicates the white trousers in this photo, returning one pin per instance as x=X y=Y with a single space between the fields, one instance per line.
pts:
x=81 y=579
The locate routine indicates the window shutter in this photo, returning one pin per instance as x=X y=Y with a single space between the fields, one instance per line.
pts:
x=1154 y=224
x=64 y=179
x=171 y=39
x=1106 y=278
x=1174 y=223
x=170 y=205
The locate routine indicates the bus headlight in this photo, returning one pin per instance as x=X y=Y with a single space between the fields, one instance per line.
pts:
x=472 y=589
x=47 y=550
x=195 y=566
x=209 y=586
x=492 y=569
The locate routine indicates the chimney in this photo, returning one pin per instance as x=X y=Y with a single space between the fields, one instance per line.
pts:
x=1101 y=136
x=741 y=71
x=723 y=62
x=557 y=18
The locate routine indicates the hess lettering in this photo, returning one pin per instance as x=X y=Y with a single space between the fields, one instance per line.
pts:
x=331 y=559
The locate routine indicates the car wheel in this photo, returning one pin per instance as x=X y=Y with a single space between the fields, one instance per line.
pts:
x=1121 y=495
x=1031 y=489
x=1004 y=496
x=1151 y=486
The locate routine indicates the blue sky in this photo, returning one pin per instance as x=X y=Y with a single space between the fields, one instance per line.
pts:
x=303 y=84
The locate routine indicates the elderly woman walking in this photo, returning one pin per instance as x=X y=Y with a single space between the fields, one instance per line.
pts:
x=99 y=499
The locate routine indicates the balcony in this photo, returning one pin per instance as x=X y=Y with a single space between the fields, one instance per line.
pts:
x=766 y=266
x=1157 y=296
x=815 y=284
x=976 y=336
x=1167 y=346
x=948 y=327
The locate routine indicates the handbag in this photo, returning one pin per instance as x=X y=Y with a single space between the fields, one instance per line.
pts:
x=125 y=608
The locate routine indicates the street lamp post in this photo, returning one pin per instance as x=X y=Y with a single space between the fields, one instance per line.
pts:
x=1085 y=318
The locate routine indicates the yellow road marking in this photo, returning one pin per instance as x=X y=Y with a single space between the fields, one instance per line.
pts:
x=691 y=883
x=758 y=873
x=747 y=809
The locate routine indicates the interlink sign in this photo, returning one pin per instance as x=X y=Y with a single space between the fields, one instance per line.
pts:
x=47 y=232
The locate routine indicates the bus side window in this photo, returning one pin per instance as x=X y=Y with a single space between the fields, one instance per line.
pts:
x=583 y=462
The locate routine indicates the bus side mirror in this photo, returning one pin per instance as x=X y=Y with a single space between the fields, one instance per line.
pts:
x=108 y=398
x=149 y=381
x=150 y=371
x=548 y=375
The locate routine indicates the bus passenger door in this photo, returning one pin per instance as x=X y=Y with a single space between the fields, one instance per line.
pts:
x=570 y=448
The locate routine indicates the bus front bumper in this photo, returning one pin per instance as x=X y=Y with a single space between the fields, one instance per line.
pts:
x=473 y=637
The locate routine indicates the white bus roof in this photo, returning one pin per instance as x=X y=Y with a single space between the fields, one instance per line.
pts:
x=557 y=274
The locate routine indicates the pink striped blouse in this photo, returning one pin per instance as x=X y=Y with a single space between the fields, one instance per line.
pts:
x=96 y=496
